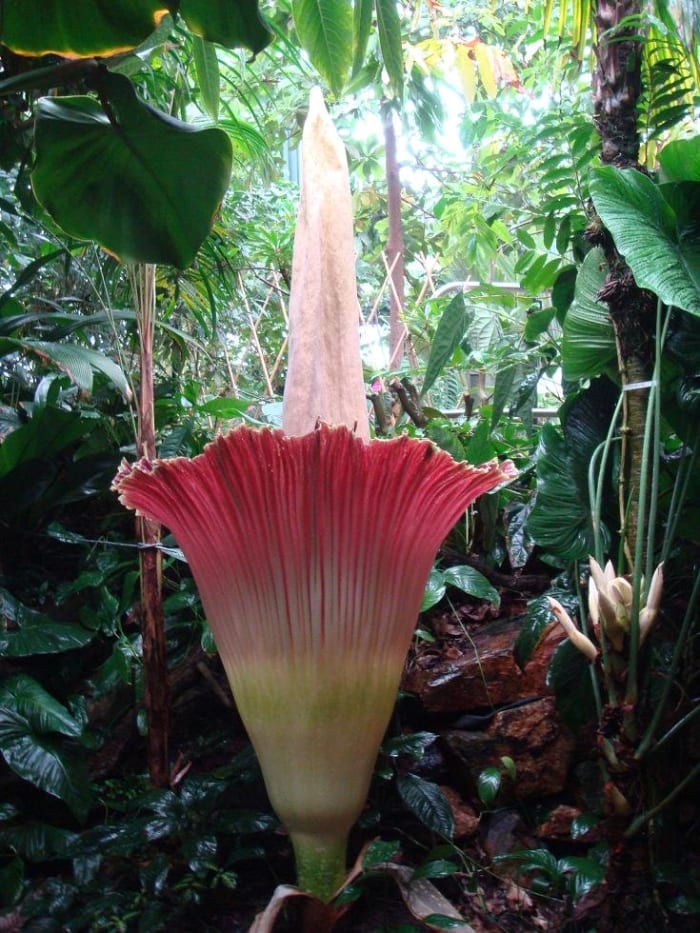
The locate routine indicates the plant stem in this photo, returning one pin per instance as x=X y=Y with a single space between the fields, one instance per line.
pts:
x=679 y=647
x=320 y=863
x=156 y=693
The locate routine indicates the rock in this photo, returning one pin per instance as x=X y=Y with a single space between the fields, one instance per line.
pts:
x=482 y=673
x=465 y=817
x=532 y=735
x=557 y=825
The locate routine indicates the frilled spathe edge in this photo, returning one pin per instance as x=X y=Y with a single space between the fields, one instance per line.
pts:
x=318 y=542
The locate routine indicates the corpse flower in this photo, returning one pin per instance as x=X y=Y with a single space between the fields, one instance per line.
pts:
x=311 y=552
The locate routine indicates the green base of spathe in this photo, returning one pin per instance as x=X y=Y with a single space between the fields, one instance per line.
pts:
x=320 y=863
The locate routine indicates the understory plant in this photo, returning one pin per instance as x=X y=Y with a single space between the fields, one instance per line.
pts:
x=640 y=658
x=337 y=534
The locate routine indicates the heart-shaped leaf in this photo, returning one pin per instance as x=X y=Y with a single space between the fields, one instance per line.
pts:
x=663 y=254
x=143 y=185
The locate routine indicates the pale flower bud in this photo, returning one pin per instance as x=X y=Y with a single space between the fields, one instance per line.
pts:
x=576 y=636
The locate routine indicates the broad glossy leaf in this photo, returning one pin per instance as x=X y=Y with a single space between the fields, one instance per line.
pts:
x=560 y=519
x=450 y=331
x=472 y=582
x=27 y=697
x=145 y=187
x=663 y=255
x=78 y=28
x=325 y=30
x=28 y=632
x=44 y=762
x=488 y=785
x=680 y=160
x=232 y=23
x=36 y=842
x=389 y=30
x=426 y=801
x=434 y=590
x=588 y=344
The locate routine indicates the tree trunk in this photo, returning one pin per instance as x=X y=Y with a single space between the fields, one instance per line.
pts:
x=629 y=901
x=617 y=86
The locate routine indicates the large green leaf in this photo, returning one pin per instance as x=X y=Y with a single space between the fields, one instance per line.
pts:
x=78 y=28
x=83 y=28
x=142 y=184
x=27 y=632
x=661 y=248
x=45 y=762
x=27 y=697
x=680 y=160
x=588 y=344
x=325 y=30
x=560 y=519
x=229 y=22
x=389 y=30
x=470 y=581
x=37 y=842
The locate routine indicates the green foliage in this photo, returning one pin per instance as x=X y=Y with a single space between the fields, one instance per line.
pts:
x=654 y=227
x=464 y=578
x=86 y=28
x=574 y=875
x=146 y=197
x=426 y=801
x=588 y=344
x=325 y=30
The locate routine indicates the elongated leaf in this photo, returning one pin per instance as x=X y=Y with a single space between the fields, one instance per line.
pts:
x=42 y=761
x=232 y=23
x=78 y=363
x=362 y=26
x=206 y=66
x=470 y=581
x=588 y=345
x=662 y=257
x=325 y=30
x=145 y=187
x=389 y=30
x=78 y=28
x=449 y=334
x=426 y=801
x=44 y=713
